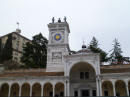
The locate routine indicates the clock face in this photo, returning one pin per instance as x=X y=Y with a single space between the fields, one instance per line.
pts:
x=57 y=36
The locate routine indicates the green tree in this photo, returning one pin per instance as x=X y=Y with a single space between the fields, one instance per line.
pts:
x=6 y=52
x=35 y=53
x=93 y=46
x=116 y=56
x=94 y=43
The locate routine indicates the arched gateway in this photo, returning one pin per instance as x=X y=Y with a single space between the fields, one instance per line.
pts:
x=82 y=80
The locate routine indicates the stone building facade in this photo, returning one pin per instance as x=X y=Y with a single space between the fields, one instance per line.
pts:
x=18 y=42
x=79 y=74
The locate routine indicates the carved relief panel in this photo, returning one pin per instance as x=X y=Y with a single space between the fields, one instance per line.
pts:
x=56 y=56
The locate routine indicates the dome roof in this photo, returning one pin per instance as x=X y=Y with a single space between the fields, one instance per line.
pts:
x=84 y=51
x=84 y=46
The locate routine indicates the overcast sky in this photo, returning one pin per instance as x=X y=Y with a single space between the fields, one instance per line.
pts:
x=104 y=19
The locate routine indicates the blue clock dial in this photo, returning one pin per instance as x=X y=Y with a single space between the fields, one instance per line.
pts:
x=57 y=37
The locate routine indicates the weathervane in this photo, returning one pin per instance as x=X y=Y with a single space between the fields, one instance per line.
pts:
x=83 y=46
x=18 y=30
x=18 y=24
x=83 y=42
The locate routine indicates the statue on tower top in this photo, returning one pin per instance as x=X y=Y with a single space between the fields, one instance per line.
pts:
x=65 y=19
x=53 y=20
x=17 y=25
x=59 y=20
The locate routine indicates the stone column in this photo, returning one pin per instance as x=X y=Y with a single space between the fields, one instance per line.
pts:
x=20 y=86
x=30 y=90
x=100 y=87
x=127 y=88
x=65 y=88
x=68 y=88
x=9 y=90
x=53 y=90
x=114 y=89
x=42 y=90
x=97 y=86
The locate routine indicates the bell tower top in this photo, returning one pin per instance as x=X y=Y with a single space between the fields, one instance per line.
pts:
x=58 y=31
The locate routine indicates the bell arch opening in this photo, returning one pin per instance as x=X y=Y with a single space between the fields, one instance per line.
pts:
x=4 y=90
x=14 y=90
x=120 y=87
x=82 y=80
x=107 y=88
x=59 y=89
x=36 y=89
x=25 y=90
x=48 y=89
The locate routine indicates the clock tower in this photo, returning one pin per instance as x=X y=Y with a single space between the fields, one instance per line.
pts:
x=58 y=45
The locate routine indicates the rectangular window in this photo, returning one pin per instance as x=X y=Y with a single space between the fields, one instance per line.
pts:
x=86 y=75
x=105 y=93
x=117 y=94
x=94 y=93
x=81 y=75
x=85 y=93
x=75 y=93
x=61 y=93
x=51 y=94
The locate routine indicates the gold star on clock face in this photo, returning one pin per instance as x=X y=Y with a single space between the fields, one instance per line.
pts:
x=57 y=37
